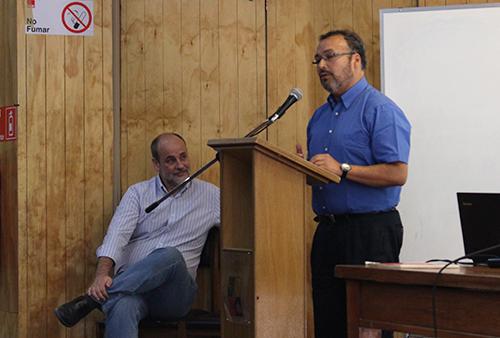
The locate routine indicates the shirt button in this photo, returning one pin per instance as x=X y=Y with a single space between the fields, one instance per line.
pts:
x=326 y=148
x=320 y=188
x=323 y=207
x=330 y=131
x=336 y=113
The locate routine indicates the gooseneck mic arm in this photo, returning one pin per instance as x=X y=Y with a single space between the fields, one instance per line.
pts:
x=294 y=96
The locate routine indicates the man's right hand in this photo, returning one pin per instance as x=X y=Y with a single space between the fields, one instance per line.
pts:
x=103 y=279
x=98 y=289
x=298 y=150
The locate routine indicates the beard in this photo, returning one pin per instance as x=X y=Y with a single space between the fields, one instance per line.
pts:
x=180 y=176
x=174 y=179
x=334 y=83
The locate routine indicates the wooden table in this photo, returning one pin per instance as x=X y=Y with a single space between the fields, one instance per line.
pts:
x=399 y=298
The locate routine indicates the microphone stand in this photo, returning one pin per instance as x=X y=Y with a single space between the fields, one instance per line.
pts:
x=257 y=130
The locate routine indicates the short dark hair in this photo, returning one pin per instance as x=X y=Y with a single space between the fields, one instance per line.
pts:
x=154 y=143
x=353 y=40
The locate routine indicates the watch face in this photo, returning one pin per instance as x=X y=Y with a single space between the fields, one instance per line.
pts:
x=345 y=167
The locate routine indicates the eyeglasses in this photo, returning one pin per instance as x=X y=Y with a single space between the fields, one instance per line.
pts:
x=329 y=56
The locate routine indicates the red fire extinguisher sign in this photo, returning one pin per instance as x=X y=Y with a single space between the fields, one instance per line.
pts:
x=8 y=123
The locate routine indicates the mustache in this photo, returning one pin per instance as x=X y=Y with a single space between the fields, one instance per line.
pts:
x=183 y=171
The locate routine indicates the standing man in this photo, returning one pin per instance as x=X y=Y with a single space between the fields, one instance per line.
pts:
x=364 y=137
x=147 y=262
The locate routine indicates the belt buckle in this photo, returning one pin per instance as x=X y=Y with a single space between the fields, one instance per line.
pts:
x=325 y=218
x=331 y=218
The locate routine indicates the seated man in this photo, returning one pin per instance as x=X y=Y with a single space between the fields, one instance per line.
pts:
x=154 y=256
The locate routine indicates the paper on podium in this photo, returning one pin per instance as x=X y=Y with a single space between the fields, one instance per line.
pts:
x=415 y=265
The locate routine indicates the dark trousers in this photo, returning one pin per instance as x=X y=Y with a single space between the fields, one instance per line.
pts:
x=350 y=239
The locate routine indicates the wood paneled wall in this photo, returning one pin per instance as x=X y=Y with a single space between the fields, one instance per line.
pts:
x=8 y=178
x=193 y=67
x=64 y=155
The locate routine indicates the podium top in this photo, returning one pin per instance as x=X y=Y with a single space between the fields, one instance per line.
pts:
x=313 y=171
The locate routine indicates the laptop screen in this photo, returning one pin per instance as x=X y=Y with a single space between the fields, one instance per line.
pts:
x=480 y=221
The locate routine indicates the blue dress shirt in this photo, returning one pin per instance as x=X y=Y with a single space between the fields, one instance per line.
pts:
x=363 y=128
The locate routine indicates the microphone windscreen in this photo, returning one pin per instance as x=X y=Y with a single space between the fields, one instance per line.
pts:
x=297 y=93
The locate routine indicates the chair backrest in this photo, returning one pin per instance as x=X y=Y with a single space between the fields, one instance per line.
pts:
x=208 y=275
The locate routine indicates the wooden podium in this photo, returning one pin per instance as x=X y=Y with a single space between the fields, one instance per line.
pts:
x=265 y=285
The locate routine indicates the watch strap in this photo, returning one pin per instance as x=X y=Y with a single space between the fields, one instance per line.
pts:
x=344 y=174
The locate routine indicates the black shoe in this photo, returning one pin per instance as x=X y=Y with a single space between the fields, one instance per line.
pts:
x=70 y=313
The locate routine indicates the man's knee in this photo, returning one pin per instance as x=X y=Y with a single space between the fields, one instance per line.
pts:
x=167 y=256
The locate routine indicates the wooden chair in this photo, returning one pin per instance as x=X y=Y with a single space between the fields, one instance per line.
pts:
x=204 y=318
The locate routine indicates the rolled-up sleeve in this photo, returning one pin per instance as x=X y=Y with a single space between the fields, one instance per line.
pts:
x=122 y=226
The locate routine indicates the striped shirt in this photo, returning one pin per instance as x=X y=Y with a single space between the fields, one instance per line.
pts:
x=181 y=221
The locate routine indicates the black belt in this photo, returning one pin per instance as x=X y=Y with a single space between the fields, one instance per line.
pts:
x=333 y=218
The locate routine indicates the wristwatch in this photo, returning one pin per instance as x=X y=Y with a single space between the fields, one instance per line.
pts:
x=345 y=167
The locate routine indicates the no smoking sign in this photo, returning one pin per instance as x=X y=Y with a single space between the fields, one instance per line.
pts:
x=60 y=17
x=76 y=17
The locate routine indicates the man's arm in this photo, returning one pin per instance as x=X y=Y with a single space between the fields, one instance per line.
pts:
x=379 y=175
x=376 y=175
x=103 y=279
x=120 y=230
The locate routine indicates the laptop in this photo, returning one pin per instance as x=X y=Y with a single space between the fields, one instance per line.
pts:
x=480 y=221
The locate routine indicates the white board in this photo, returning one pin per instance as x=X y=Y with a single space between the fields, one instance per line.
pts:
x=441 y=65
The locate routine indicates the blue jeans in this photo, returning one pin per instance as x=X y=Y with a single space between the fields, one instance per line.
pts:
x=158 y=286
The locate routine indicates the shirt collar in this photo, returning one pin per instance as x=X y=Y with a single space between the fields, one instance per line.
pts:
x=163 y=190
x=351 y=94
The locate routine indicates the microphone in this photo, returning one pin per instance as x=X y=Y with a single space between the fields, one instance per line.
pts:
x=294 y=96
